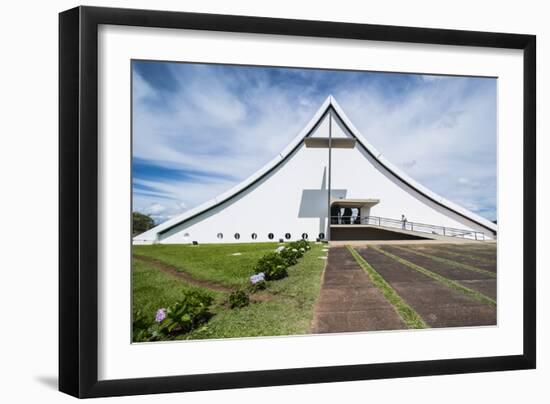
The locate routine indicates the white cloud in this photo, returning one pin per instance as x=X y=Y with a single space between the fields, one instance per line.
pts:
x=446 y=128
x=155 y=208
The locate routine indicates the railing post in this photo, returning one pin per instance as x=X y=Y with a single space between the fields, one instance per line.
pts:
x=444 y=231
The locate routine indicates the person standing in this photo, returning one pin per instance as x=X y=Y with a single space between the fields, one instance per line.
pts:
x=403 y=222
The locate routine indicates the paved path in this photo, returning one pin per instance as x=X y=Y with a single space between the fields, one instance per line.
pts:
x=437 y=304
x=482 y=258
x=481 y=282
x=349 y=301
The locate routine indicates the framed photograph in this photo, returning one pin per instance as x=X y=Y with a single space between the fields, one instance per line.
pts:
x=249 y=201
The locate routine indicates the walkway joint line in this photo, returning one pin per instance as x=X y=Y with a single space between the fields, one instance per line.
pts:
x=445 y=281
x=409 y=316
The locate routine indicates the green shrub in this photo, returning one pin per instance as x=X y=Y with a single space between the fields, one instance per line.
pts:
x=188 y=313
x=140 y=327
x=253 y=288
x=273 y=265
x=294 y=251
x=291 y=256
x=145 y=329
x=257 y=282
x=181 y=317
x=279 y=272
x=238 y=299
x=300 y=245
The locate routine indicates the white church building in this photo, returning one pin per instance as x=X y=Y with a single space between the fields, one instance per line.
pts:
x=329 y=183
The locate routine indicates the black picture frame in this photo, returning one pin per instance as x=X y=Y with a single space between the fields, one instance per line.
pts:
x=78 y=201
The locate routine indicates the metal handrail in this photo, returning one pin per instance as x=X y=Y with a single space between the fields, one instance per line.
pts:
x=406 y=225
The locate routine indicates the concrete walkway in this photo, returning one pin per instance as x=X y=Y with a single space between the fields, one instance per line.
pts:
x=484 y=283
x=437 y=304
x=349 y=301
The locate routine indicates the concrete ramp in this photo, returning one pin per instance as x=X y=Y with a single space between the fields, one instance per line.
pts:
x=369 y=232
x=346 y=232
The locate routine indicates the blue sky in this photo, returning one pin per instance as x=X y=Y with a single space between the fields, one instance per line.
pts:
x=198 y=129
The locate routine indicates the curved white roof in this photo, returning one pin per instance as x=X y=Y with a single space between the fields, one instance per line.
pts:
x=329 y=103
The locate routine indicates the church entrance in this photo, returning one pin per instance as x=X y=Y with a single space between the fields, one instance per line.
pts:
x=345 y=215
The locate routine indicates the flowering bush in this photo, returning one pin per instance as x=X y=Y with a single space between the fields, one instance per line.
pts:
x=273 y=265
x=291 y=256
x=295 y=251
x=186 y=314
x=182 y=316
x=278 y=272
x=257 y=278
x=257 y=282
x=238 y=299
x=301 y=245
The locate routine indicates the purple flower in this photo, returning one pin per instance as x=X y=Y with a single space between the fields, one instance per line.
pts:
x=254 y=279
x=161 y=315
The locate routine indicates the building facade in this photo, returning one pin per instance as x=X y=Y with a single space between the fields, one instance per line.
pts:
x=289 y=197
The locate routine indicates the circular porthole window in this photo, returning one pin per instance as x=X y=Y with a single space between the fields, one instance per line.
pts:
x=254 y=236
x=237 y=236
x=270 y=236
x=304 y=236
x=219 y=236
x=321 y=236
x=287 y=236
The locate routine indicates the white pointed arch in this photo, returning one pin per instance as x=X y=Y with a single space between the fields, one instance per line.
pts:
x=329 y=106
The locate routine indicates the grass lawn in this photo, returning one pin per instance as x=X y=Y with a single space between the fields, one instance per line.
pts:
x=153 y=289
x=211 y=262
x=287 y=308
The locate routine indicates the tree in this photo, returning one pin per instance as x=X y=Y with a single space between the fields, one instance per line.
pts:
x=141 y=223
